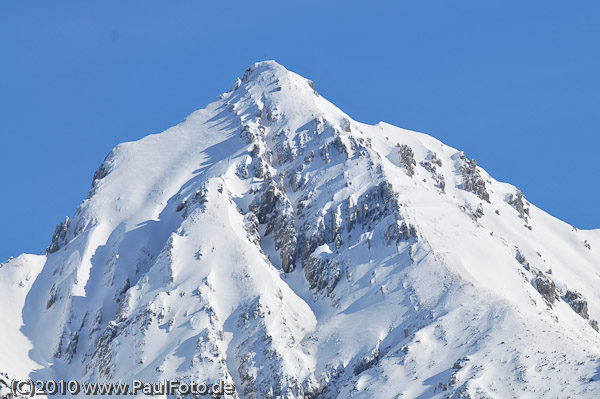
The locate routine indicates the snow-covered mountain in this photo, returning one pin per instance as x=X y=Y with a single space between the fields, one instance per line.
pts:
x=272 y=241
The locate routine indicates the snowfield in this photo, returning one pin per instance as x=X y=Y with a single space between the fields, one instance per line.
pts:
x=271 y=241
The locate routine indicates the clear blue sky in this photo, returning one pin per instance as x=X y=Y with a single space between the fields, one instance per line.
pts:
x=515 y=84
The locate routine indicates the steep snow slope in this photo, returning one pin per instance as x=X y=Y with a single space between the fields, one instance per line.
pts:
x=271 y=240
x=16 y=277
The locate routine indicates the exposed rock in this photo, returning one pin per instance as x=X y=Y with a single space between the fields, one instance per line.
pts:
x=198 y=199
x=59 y=238
x=297 y=181
x=372 y=206
x=364 y=214
x=325 y=154
x=272 y=115
x=578 y=303
x=308 y=159
x=236 y=85
x=368 y=361
x=475 y=214
x=546 y=287
x=341 y=148
x=346 y=125
x=253 y=134
x=284 y=152
x=251 y=223
x=431 y=166
x=259 y=168
x=181 y=206
x=521 y=259
x=460 y=363
x=100 y=174
x=311 y=84
x=400 y=231
x=407 y=157
x=472 y=180
x=275 y=210
x=518 y=202
x=242 y=170
x=322 y=273
x=478 y=213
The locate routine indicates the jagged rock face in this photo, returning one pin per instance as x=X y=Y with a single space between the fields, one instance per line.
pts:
x=518 y=202
x=59 y=238
x=522 y=260
x=431 y=166
x=545 y=287
x=276 y=212
x=272 y=241
x=472 y=180
x=577 y=303
x=408 y=158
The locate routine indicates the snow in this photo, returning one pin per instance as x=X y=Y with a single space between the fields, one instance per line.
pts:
x=399 y=287
x=16 y=277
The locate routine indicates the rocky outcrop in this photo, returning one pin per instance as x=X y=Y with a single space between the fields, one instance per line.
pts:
x=242 y=170
x=522 y=260
x=407 y=157
x=297 y=181
x=346 y=125
x=578 y=303
x=546 y=287
x=322 y=273
x=196 y=200
x=400 y=231
x=340 y=146
x=311 y=84
x=335 y=226
x=102 y=172
x=252 y=228
x=275 y=210
x=431 y=166
x=474 y=214
x=472 y=180
x=518 y=202
x=59 y=238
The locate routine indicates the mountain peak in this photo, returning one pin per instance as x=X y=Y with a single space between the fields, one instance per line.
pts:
x=271 y=241
x=271 y=65
x=265 y=69
x=269 y=75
